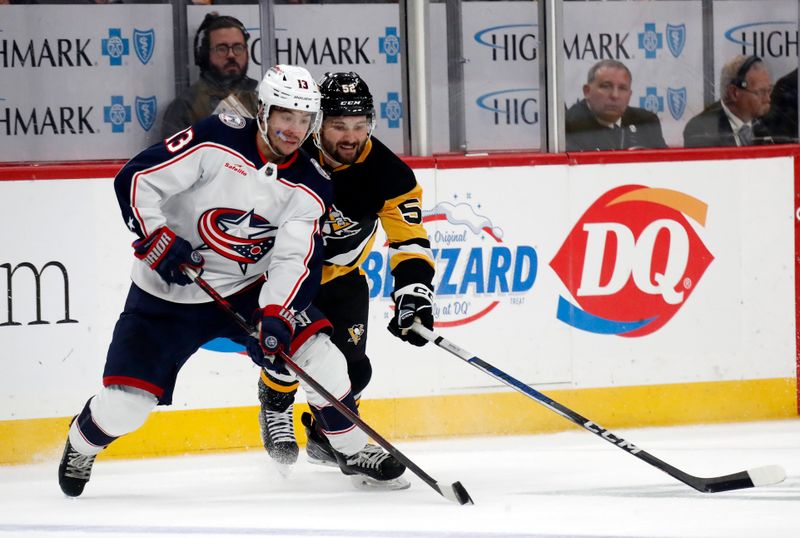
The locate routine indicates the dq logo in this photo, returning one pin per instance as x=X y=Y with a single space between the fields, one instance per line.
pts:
x=631 y=261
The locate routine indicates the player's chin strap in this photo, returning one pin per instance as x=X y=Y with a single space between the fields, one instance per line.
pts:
x=760 y=476
x=454 y=492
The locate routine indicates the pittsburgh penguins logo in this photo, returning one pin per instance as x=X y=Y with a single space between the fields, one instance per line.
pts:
x=356 y=333
x=338 y=226
x=242 y=237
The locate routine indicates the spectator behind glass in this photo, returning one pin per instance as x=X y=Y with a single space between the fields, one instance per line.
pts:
x=220 y=49
x=780 y=123
x=602 y=120
x=745 y=86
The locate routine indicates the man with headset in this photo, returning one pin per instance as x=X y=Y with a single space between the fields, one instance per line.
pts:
x=220 y=50
x=745 y=88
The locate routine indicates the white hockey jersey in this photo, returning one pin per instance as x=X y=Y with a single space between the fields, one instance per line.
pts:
x=211 y=186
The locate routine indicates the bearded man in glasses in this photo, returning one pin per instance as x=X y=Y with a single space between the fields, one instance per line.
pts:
x=221 y=52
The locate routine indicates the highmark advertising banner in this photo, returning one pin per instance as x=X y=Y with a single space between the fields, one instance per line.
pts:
x=767 y=29
x=660 y=42
x=588 y=276
x=83 y=82
x=329 y=38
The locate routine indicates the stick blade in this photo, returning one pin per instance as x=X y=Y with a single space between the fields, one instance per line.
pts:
x=455 y=492
x=768 y=475
x=753 y=478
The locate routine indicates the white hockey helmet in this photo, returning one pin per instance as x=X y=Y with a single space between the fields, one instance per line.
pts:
x=290 y=87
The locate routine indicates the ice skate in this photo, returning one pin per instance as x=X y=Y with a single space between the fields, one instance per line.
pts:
x=372 y=468
x=74 y=471
x=277 y=433
x=318 y=448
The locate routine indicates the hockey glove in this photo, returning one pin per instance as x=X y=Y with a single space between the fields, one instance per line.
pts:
x=271 y=362
x=167 y=253
x=410 y=302
x=275 y=333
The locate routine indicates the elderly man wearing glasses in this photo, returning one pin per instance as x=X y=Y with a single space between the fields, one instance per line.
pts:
x=220 y=50
x=745 y=87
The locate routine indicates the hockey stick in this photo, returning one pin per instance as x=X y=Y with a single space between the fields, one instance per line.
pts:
x=760 y=476
x=454 y=492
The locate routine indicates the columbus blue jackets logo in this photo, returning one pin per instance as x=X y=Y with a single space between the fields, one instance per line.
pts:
x=242 y=237
x=232 y=120
x=143 y=44
x=676 y=38
x=676 y=101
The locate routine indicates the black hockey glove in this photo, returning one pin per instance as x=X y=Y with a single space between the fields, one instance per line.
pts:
x=275 y=330
x=167 y=253
x=412 y=301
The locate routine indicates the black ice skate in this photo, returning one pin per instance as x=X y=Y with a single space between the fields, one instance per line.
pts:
x=372 y=468
x=74 y=470
x=318 y=449
x=277 y=432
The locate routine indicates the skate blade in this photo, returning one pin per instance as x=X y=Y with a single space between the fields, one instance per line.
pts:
x=322 y=463
x=370 y=484
x=285 y=470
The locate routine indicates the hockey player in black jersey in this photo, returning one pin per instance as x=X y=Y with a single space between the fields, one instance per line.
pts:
x=370 y=185
x=239 y=200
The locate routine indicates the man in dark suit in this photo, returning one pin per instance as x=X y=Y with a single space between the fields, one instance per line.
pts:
x=780 y=123
x=602 y=120
x=745 y=86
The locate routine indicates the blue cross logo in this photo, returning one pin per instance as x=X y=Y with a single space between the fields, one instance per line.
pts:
x=651 y=100
x=392 y=110
x=118 y=114
x=650 y=40
x=390 y=45
x=115 y=47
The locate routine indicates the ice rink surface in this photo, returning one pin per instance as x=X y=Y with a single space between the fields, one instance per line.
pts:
x=570 y=484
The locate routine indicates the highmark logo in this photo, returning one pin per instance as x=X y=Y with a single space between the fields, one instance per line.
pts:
x=389 y=45
x=768 y=39
x=631 y=261
x=475 y=269
x=392 y=110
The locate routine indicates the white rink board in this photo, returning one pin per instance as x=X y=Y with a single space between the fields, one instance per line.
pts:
x=738 y=323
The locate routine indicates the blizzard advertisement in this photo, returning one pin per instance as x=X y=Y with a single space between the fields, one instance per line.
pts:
x=632 y=261
x=476 y=269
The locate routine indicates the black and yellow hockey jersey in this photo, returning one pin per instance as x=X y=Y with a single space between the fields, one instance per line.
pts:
x=379 y=186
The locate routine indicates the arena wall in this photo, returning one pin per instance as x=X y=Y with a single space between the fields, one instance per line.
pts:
x=639 y=288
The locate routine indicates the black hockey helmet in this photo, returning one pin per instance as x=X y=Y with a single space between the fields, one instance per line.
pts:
x=345 y=94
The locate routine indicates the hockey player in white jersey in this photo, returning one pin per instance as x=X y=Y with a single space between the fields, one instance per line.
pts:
x=240 y=201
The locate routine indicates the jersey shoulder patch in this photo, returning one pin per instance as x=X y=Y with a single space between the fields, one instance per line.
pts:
x=232 y=120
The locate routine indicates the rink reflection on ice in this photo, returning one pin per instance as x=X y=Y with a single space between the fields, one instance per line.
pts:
x=570 y=484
